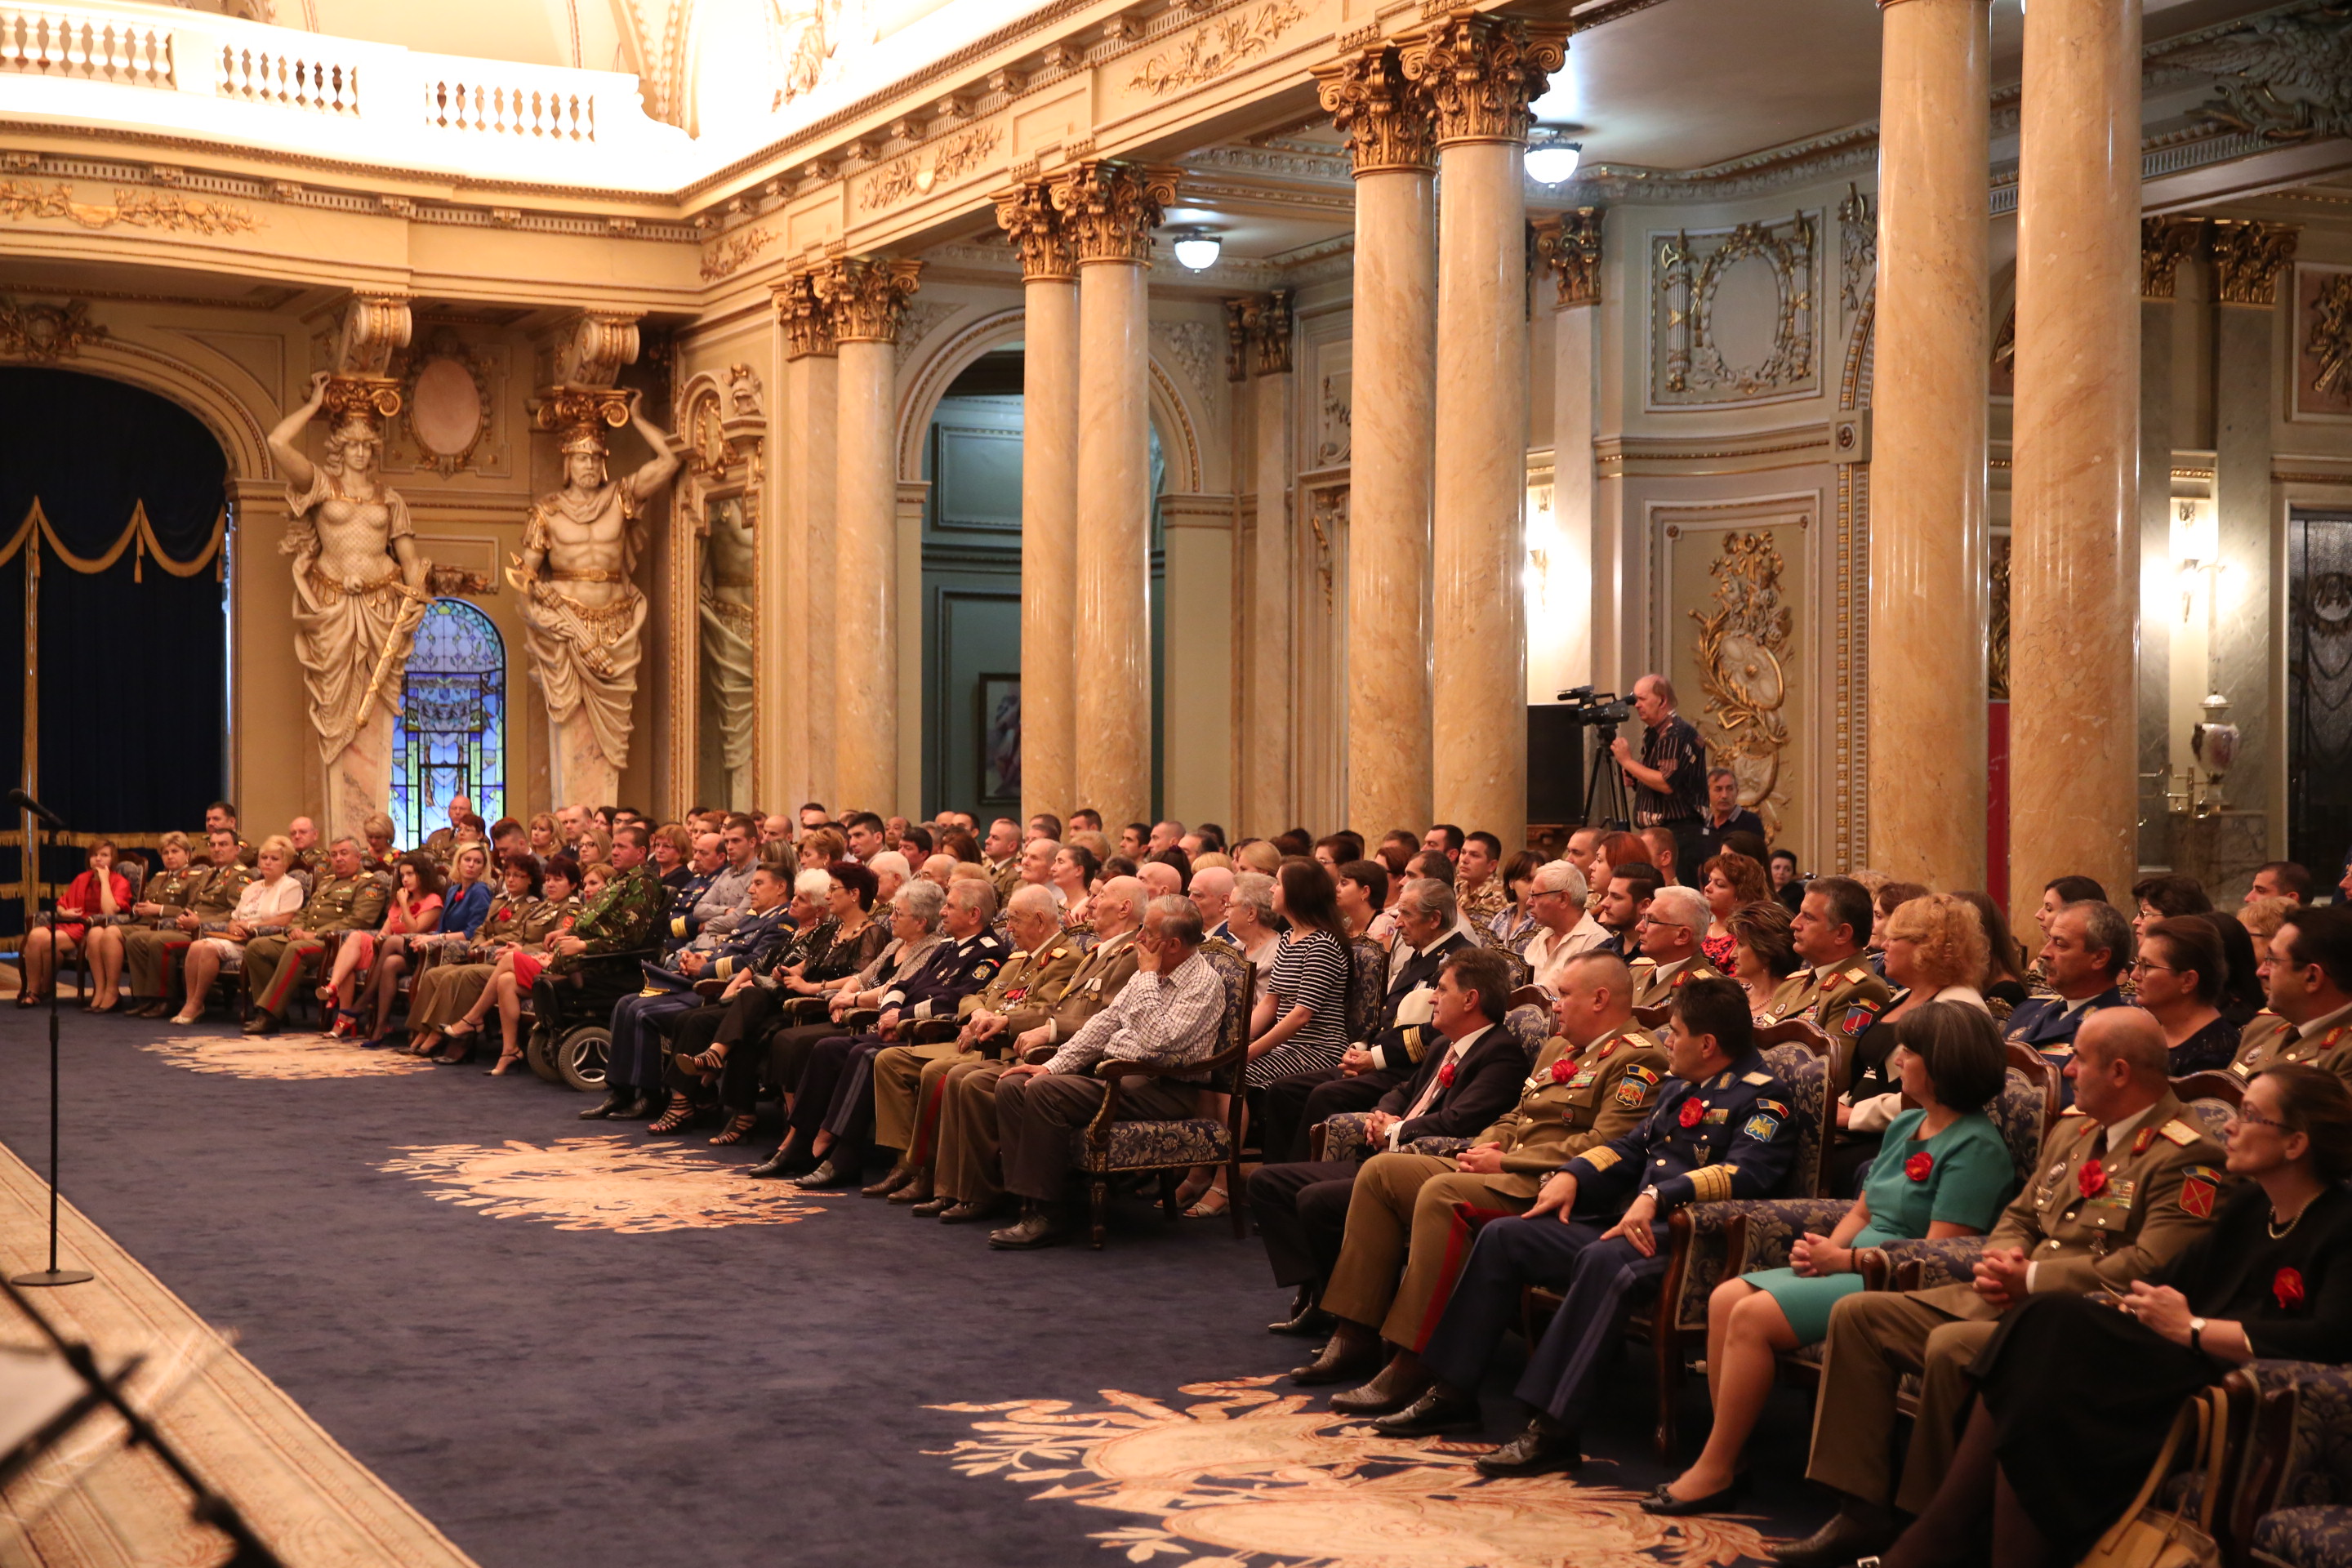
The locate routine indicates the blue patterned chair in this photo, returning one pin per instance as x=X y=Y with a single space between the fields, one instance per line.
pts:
x=2211 y=1098
x=1108 y=1147
x=2292 y=1505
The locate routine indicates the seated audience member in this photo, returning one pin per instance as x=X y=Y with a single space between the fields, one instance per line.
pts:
x=99 y=895
x=1513 y=925
x=1361 y=887
x=413 y=908
x=1787 y=887
x=641 y=1021
x=671 y=855
x=1444 y=839
x=207 y=902
x=725 y=897
x=1564 y=928
x=1166 y=873
x=309 y=854
x=1763 y=953
x=2180 y=969
x=1725 y=814
x=1670 y=932
x=1946 y=1172
x=2089 y=950
x=544 y=834
x=1167 y=1015
x=109 y=928
x=1884 y=899
x=2004 y=975
x=599 y=960
x=267 y=905
x=1478 y=885
x=1000 y=855
x=1045 y=825
x=2310 y=990
x=1623 y=903
x=162 y=899
x=1212 y=890
x=1730 y=881
x=2164 y=898
x=1259 y=855
x=2242 y=987
x=2074 y=1395
x=2260 y=917
x=442 y=842
x=349 y=898
x=594 y=845
x=1165 y=836
x=824 y=847
x=940 y=871
x=2056 y=895
x=1075 y=866
x=1468 y=1076
x=1836 y=990
x=530 y=903
x=379 y=853
x=863 y=832
x=1397 y=848
x=506 y=837
x=1615 y=850
x=1302 y=1024
x=1593 y=1082
x=1252 y=926
x=1597 y=1232
x=2280 y=879
x=465 y=897
x=1934 y=951
x=2125 y=1186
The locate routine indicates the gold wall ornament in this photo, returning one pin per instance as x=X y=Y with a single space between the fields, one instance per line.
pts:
x=1476 y=74
x=1237 y=337
x=867 y=296
x=807 y=319
x=1216 y=47
x=366 y=397
x=579 y=408
x=1569 y=245
x=2329 y=343
x=374 y=328
x=1369 y=100
x=921 y=172
x=592 y=347
x=2284 y=79
x=1110 y=209
x=43 y=333
x=1027 y=215
x=1742 y=647
x=730 y=255
x=1688 y=364
x=1997 y=625
x=1857 y=247
x=1324 y=518
x=2164 y=244
x=166 y=210
x=2248 y=257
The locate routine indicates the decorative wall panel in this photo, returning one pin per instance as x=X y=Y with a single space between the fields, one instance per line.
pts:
x=1734 y=316
x=2323 y=343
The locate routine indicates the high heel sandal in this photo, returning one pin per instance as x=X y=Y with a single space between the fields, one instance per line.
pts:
x=506 y=1060
x=711 y=1060
x=343 y=1025
x=681 y=1112
x=739 y=1127
x=1201 y=1210
x=464 y=1046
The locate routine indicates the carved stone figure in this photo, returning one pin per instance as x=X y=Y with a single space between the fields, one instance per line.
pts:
x=584 y=617
x=359 y=595
x=729 y=586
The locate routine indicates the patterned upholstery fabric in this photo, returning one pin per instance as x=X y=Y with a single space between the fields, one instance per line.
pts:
x=2317 y=1468
x=1951 y=1261
x=1444 y=1148
x=1370 y=986
x=1154 y=1146
x=1531 y=1026
x=2210 y=1114
x=2304 y=1537
x=1808 y=1078
x=2017 y=1115
x=1770 y=1229
x=1343 y=1136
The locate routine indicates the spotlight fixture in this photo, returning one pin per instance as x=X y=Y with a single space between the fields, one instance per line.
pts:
x=1554 y=162
x=1197 y=249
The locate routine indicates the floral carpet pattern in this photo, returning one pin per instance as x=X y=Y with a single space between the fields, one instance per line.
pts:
x=612 y=1182
x=1245 y=1477
x=282 y=1056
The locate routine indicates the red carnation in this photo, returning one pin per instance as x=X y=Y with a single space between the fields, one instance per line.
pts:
x=1917 y=1166
x=1563 y=1070
x=1692 y=1110
x=2093 y=1178
x=1445 y=1075
x=2286 y=1285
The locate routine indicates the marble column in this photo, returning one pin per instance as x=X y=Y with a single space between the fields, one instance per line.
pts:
x=1108 y=211
x=1568 y=244
x=1475 y=75
x=1928 y=564
x=2074 y=485
x=1049 y=498
x=1392 y=425
x=1269 y=761
x=811 y=444
x=866 y=296
x=2165 y=243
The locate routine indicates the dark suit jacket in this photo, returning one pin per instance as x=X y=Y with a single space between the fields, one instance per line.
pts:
x=1398 y=1050
x=1486 y=1082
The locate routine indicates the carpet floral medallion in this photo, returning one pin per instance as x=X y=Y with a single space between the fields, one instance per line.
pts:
x=282 y=1056
x=1245 y=1477
x=614 y=1182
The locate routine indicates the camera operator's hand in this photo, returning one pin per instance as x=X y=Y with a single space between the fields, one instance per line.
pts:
x=1622 y=748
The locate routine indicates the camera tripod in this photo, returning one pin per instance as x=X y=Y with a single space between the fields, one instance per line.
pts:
x=1604 y=786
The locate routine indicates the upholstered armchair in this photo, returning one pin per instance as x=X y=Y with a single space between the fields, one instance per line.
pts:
x=2293 y=1505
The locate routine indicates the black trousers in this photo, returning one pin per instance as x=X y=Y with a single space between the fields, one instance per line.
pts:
x=1295 y=1106
x=1302 y=1212
x=836 y=1092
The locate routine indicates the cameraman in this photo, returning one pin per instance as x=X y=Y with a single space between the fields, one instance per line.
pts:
x=1669 y=779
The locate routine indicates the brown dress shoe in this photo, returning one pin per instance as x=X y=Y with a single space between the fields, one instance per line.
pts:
x=1545 y=1446
x=1845 y=1538
x=1384 y=1395
x=917 y=1191
x=890 y=1184
x=1340 y=1363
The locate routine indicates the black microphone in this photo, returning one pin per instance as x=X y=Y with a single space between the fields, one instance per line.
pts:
x=19 y=800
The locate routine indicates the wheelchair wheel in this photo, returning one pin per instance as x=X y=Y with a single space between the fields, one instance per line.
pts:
x=536 y=1053
x=581 y=1055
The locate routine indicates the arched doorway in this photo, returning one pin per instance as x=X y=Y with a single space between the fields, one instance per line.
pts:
x=450 y=737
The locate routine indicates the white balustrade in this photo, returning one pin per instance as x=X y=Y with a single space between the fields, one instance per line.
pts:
x=289 y=78
x=68 y=44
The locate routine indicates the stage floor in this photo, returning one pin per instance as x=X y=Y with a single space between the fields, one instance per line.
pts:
x=566 y=1343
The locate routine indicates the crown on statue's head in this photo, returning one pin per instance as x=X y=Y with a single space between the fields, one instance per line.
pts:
x=585 y=439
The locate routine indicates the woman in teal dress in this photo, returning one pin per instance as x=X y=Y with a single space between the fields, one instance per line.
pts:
x=1943 y=1170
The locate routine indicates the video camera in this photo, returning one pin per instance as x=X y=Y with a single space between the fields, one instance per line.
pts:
x=1603 y=709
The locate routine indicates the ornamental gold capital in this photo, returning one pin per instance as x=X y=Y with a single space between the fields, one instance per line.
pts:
x=1108 y=209
x=1026 y=215
x=808 y=325
x=2164 y=244
x=1569 y=245
x=1476 y=74
x=2248 y=257
x=867 y=296
x=1369 y=100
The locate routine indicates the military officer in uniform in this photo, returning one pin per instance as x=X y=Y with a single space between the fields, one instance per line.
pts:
x=309 y=854
x=2308 y=977
x=633 y=1069
x=907 y=1093
x=1721 y=1130
x=1406 y=1235
x=442 y=842
x=1000 y=857
x=349 y=898
x=1670 y=932
x=2089 y=946
x=2126 y=1183
x=1837 y=991
x=597 y=962
x=167 y=900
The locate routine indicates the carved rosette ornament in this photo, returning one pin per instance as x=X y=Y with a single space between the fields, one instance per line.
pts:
x=2248 y=257
x=1569 y=245
x=1026 y=215
x=808 y=323
x=1477 y=74
x=1108 y=210
x=2164 y=244
x=867 y=296
x=1369 y=100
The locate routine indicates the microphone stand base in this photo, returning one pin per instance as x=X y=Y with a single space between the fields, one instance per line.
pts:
x=52 y=1276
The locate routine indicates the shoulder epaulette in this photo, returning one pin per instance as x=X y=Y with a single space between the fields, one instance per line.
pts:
x=2072 y=1111
x=2180 y=1132
x=1756 y=1078
x=1855 y=975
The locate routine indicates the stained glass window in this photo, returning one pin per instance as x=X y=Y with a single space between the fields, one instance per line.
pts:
x=450 y=736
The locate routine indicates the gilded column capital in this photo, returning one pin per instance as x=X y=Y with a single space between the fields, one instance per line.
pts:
x=1257 y=336
x=1369 y=100
x=1569 y=245
x=1026 y=215
x=867 y=296
x=1237 y=357
x=2164 y=244
x=2248 y=257
x=1108 y=209
x=1476 y=74
x=807 y=321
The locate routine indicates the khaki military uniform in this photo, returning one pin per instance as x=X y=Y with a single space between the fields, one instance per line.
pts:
x=312 y=862
x=1407 y=1238
x=907 y=1095
x=1004 y=878
x=2271 y=1041
x=210 y=893
x=143 y=937
x=1841 y=998
x=2150 y=1199
x=1655 y=985
x=965 y=1164
x=273 y=964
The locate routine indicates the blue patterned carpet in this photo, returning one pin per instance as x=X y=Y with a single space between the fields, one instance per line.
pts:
x=570 y=1345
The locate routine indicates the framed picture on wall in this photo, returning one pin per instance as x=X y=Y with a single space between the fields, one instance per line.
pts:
x=999 y=740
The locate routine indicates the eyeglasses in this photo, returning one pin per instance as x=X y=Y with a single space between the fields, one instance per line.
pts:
x=2256 y=1119
x=2142 y=966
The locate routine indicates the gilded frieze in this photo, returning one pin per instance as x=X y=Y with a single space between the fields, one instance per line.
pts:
x=1216 y=46
x=921 y=172
x=732 y=254
x=21 y=200
x=42 y=333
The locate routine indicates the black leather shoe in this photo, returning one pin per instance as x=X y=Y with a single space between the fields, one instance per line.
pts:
x=1339 y=1363
x=897 y=1179
x=1841 y=1541
x=1036 y=1228
x=638 y=1108
x=780 y=1163
x=1438 y=1410
x=933 y=1208
x=966 y=1214
x=1306 y=1320
x=614 y=1105
x=261 y=1024
x=1545 y=1446
x=827 y=1176
x=1665 y=1503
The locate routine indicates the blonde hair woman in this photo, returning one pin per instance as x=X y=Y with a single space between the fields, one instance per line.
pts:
x=1936 y=951
x=269 y=903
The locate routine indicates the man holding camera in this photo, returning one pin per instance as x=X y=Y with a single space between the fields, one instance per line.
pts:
x=1670 y=777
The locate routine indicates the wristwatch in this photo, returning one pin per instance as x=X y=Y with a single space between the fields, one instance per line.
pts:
x=2197 y=1335
x=1650 y=1191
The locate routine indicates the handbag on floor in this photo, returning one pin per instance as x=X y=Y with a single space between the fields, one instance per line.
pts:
x=2150 y=1536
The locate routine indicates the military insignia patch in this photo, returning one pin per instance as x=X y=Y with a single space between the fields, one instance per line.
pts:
x=1772 y=1108
x=2199 y=1185
x=1761 y=1126
x=1633 y=1093
x=1857 y=1018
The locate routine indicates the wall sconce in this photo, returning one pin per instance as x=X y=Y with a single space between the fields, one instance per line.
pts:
x=2196 y=548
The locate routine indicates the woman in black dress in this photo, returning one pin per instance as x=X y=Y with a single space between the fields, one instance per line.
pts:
x=2074 y=1396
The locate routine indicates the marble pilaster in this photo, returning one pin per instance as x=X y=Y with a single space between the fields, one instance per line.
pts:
x=810 y=443
x=1928 y=566
x=2165 y=242
x=1568 y=244
x=1270 y=761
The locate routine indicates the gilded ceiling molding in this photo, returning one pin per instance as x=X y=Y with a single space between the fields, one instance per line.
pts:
x=1569 y=245
x=2285 y=79
x=1368 y=100
x=1027 y=215
x=867 y=296
x=1216 y=48
x=731 y=255
x=1476 y=74
x=167 y=210
x=1110 y=209
x=2248 y=257
x=2164 y=244
x=913 y=175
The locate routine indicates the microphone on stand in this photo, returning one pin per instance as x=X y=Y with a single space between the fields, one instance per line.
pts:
x=18 y=800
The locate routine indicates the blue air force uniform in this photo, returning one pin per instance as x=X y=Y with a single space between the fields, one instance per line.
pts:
x=639 y=1022
x=2048 y=1025
x=1729 y=1137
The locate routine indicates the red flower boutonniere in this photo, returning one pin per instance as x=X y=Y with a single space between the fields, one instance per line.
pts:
x=2092 y=1178
x=1445 y=1075
x=2286 y=1287
x=1918 y=1166
x=1563 y=1070
x=1691 y=1111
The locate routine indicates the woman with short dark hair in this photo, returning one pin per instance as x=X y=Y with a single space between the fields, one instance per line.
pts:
x=1763 y=951
x=2180 y=971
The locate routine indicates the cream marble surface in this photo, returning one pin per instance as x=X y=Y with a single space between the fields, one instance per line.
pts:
x=1112 y=606
x=1927 y=542
x=812 y=435
x=2075 y=500
x=1389 y=501
x=1049 y=501
x=864 y=585
x=1269 y=760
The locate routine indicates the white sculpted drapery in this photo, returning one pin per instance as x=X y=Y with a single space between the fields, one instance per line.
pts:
x=729 y=584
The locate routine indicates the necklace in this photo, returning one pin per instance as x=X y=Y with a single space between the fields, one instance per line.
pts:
x=2279 y=1233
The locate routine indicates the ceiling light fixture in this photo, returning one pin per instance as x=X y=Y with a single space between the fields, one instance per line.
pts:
x=1197 y=249
x=1553 y=162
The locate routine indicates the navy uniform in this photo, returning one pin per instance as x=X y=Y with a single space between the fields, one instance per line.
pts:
x=2271 y=1041
x=2047 y=1024
x=1729 y=1137
x=638 y=1021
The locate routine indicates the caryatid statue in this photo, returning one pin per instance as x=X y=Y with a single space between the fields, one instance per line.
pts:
x=583 y=614
x=359 y=589
x=728 y=593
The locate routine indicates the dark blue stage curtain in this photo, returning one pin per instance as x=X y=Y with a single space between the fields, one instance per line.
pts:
x=132 y=659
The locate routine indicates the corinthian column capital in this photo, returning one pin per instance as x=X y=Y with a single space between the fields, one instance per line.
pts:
x=1368 y=99
x=1108 y=210
x=1569 y=245
x=2248 y=257
x=867 y=296
x=1476 y=74
x=808 y=324
x=2164 y=244
x=1026 y=215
